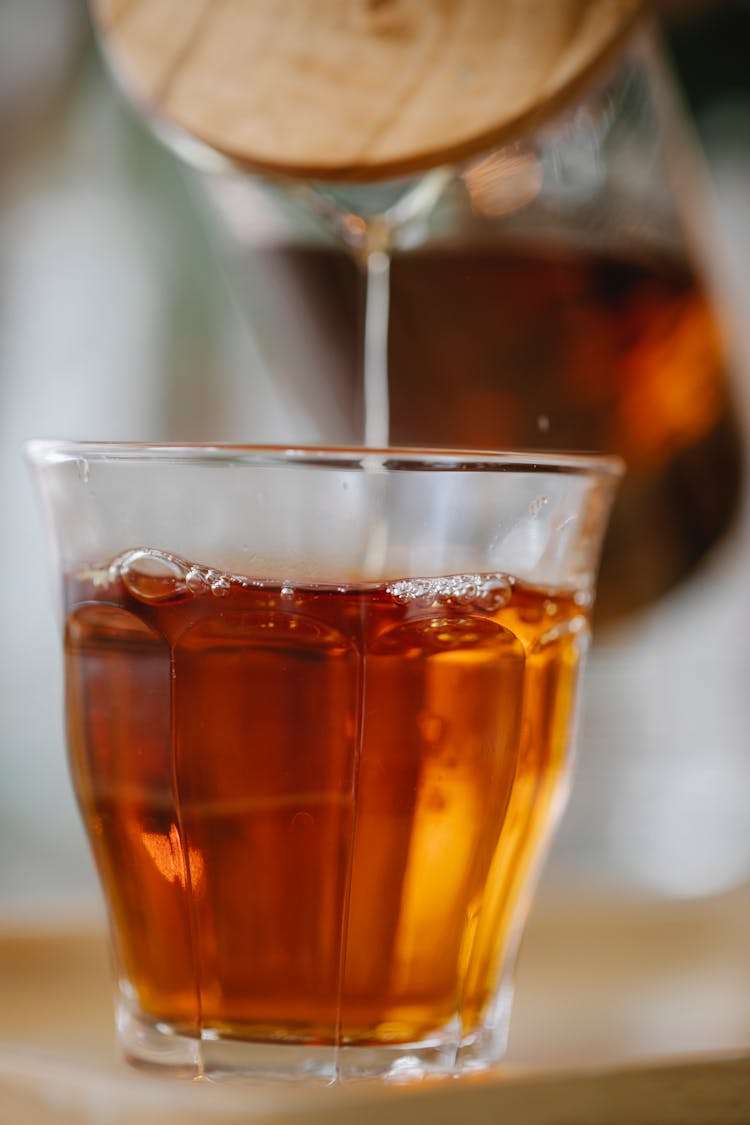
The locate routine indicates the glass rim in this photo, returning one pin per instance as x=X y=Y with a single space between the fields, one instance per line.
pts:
x=50 y=451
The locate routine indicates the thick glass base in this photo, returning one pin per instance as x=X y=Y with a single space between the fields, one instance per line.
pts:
x=152 y=1044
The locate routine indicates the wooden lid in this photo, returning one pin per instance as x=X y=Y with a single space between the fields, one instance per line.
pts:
x=357 y=89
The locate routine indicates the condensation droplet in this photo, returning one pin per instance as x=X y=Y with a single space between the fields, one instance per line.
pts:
x=543 y=423
x=536 y=505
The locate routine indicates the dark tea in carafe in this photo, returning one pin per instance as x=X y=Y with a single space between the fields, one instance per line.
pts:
x=521 y=346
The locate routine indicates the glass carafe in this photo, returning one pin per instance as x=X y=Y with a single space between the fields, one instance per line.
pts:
x=548 y=291
x=556 y=298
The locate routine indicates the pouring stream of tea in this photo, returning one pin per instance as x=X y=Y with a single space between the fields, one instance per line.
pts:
x=377 y=412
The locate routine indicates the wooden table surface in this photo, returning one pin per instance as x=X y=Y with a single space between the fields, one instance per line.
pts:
x=627 y=1011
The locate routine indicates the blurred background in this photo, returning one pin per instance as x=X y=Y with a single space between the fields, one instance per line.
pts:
x=120 y=318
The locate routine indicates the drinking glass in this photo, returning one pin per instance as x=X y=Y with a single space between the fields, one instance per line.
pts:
x=319 y=711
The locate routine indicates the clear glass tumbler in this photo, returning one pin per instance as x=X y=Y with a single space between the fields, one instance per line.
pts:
x=319 y=708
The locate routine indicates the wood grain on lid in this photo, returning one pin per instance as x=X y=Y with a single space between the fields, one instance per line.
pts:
x=357 y=89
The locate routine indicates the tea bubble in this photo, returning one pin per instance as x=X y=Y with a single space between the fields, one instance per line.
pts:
x=407 y=590
x=494 y=592
x=463 y=591
x=195 y=580
x=220 y=586
x=488 y=592
x=152 y=576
